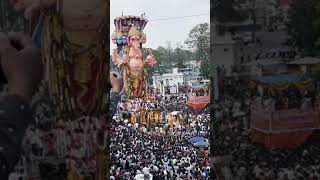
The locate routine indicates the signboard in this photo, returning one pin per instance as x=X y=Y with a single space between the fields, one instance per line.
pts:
x=173 y=90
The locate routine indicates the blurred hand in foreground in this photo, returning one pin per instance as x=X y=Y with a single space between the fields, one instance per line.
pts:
x=116 y=82
x=21 y=64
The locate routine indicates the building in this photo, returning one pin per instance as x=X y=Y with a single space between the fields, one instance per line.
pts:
x=175 y=78
x=178 y=77
x=225 y=55
x=192 y=78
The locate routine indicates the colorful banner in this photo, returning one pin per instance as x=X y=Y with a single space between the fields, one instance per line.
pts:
x=198 y=102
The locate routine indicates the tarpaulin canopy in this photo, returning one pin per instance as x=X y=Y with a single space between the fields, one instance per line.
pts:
x=197 y=139
x=198 y=87
x=283 y=81
x=201 y=144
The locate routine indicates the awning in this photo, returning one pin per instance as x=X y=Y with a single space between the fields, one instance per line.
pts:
x=283 y=81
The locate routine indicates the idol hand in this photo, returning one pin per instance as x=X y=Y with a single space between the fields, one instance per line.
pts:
x=151 y=61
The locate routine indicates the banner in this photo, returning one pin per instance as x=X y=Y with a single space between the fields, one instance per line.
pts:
x=173 y=90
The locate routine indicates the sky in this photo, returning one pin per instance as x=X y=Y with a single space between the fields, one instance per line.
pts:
x=159 y=32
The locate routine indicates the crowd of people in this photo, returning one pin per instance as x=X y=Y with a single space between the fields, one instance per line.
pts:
x=288 y=99
x=161 y=151
x=237 y=157
x=137 y=104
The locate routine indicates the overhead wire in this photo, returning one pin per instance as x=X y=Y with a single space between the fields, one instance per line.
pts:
x=180 y=17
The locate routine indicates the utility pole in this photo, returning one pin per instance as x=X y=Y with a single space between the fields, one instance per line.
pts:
x=170 y=59
x=169 y=53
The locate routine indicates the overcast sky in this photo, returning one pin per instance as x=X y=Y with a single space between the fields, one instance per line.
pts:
x=160 y=31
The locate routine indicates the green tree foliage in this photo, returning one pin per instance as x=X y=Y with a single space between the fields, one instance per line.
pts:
x=181 y=56
x=163 y=55
x=199 y=42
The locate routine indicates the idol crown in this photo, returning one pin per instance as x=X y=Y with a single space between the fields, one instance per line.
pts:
x=124 y=23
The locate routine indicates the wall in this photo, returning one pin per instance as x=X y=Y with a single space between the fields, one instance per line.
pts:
x=223 y=53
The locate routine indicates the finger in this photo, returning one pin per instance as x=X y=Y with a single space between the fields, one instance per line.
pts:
x=21 y=39
x=5 y=45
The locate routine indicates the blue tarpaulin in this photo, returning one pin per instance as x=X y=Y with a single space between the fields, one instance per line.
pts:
x=198 y=86
x=197 y=139
x=201 y=144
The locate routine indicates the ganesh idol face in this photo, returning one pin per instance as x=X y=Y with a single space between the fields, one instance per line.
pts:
x=135 y=41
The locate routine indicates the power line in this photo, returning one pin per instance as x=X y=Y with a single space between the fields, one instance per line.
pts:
x=181 y=17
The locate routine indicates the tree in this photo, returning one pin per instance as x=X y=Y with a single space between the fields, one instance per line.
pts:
x=199 y=42
x=180 y=56
x=302 y=20
x=166 y=57
x=161 y=56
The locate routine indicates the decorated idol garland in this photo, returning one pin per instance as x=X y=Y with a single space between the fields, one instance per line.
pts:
x=129 y=55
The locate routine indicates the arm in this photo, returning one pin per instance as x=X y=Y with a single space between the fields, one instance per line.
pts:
x=23 y=70
x=117 y=60
x=114 y=100
x=117 y=85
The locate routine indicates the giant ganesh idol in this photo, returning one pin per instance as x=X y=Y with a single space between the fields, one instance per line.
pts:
x=72 y=36
x=129 y=56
